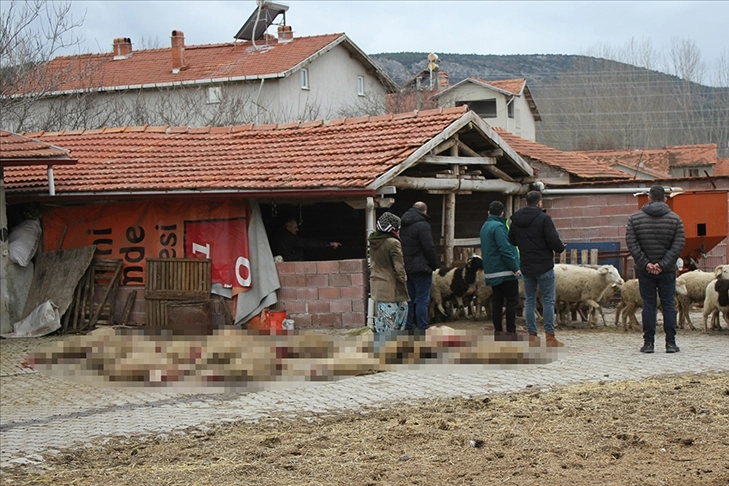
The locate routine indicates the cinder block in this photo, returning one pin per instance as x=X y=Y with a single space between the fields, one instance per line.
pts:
x=358 y=279
x=327 y=267
x=317 y=280
x=352 y=266
x=352 y=292
x=307 y=293
x=287 y=268
x=330 y=293
x=294 y=306
x=354 y=319
x=328 y=320
x=319 y=307
x=344 y=305
x=287 y=293
x=359 y=305
x=340 y=280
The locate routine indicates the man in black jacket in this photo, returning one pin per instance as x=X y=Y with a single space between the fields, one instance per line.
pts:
x=655 y=238
x=533 y=231
x=291 y=246
x=420 y=260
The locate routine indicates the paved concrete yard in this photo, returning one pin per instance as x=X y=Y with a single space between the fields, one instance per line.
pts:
x=39 y=412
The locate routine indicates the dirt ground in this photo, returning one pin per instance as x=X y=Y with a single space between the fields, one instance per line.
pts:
x=672 y=430
x=665 y=431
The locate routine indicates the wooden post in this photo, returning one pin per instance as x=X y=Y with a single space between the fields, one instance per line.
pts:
x=593 y=256
x=449 y=215
x=583 y=257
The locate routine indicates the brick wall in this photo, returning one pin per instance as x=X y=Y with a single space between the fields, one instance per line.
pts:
x=602 y=218
x=325 y=293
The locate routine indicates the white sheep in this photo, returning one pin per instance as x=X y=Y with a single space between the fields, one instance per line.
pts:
x=716 y=300
x=696 y=283
x=630 y=301
x=576 y=283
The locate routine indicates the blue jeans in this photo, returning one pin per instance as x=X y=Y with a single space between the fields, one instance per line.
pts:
x=419 y=291
x=545 y=282
x=665 y=285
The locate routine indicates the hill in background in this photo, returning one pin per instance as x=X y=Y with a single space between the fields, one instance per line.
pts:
x=588 y=103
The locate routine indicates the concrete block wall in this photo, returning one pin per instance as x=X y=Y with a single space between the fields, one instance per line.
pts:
x=324 y=293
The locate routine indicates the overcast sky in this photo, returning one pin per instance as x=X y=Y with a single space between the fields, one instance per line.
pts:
x=470 y=27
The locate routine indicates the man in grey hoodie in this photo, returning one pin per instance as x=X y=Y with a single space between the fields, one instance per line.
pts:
x=655 y=238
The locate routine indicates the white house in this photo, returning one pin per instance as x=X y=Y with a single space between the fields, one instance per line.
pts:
x=506 y=104
x=270 y=80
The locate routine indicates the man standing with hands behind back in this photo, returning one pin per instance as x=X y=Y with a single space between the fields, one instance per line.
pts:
x=655 y=238
x=420 y=260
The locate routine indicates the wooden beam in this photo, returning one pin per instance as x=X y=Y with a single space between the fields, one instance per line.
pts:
x=465 y=149
x=450 y=160
x=492 y=153
x=499 y=173
x=443 y=147
x=485 y=185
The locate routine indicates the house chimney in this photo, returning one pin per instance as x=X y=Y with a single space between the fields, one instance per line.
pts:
x=122 y=47
x=178 y=51
x=285 y=34
x=442 y=80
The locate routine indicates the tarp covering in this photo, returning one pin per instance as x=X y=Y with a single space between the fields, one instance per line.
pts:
x=228 y=231
x=133 y=231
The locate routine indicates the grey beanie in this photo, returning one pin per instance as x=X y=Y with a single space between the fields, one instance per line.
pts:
x=388 y=222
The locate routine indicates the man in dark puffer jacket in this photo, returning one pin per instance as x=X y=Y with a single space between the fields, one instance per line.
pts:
x=420 y=260
x=533 y=231
x=655 y=238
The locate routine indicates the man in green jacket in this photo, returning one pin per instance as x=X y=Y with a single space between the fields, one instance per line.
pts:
x=501 y=269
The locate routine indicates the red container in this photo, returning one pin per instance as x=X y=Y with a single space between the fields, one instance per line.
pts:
x=705 y=219
x=268 y=322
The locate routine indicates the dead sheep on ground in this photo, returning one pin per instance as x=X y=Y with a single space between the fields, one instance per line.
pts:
x=716 y=301
x=458 y=283
x=630 y=301
x=576 y=283
x=696 y=282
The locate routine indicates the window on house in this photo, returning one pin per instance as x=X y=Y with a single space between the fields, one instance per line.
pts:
x=483 y=108
x=304 y=78
x=692 y=172
x=214 y=95
x=510 y=109
x=360 y=86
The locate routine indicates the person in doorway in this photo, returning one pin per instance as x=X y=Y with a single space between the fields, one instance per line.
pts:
x=290 y=246
x=420 y=262
x=388 y=280
x=501 y=270
x=655 y=238
x=532 y=231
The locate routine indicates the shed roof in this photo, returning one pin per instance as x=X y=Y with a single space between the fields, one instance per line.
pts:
x=16 y=149
x=572 y=162
x=513 y=87
x=351 y=153
x=660 y=160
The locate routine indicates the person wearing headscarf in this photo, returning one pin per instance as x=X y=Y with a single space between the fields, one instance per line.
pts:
x=388 y=280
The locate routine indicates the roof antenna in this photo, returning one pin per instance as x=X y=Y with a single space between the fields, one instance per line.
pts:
x=432 y=66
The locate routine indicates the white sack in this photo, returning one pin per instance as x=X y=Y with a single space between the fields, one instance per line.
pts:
x=23 y=242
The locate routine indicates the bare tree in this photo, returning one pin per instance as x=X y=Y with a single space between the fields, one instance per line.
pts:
x=32 y=32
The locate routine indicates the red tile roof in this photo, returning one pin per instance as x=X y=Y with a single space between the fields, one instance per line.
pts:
x=722 y=167
x=16 y=150
x=339 y=154
x=513 y=86
x=202 y=63
x=660 y=160
x=571 y=162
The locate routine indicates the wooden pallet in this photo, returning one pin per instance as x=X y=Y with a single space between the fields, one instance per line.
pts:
x=172 y=280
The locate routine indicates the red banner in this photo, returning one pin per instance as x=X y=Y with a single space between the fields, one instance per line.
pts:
x=133 y=231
